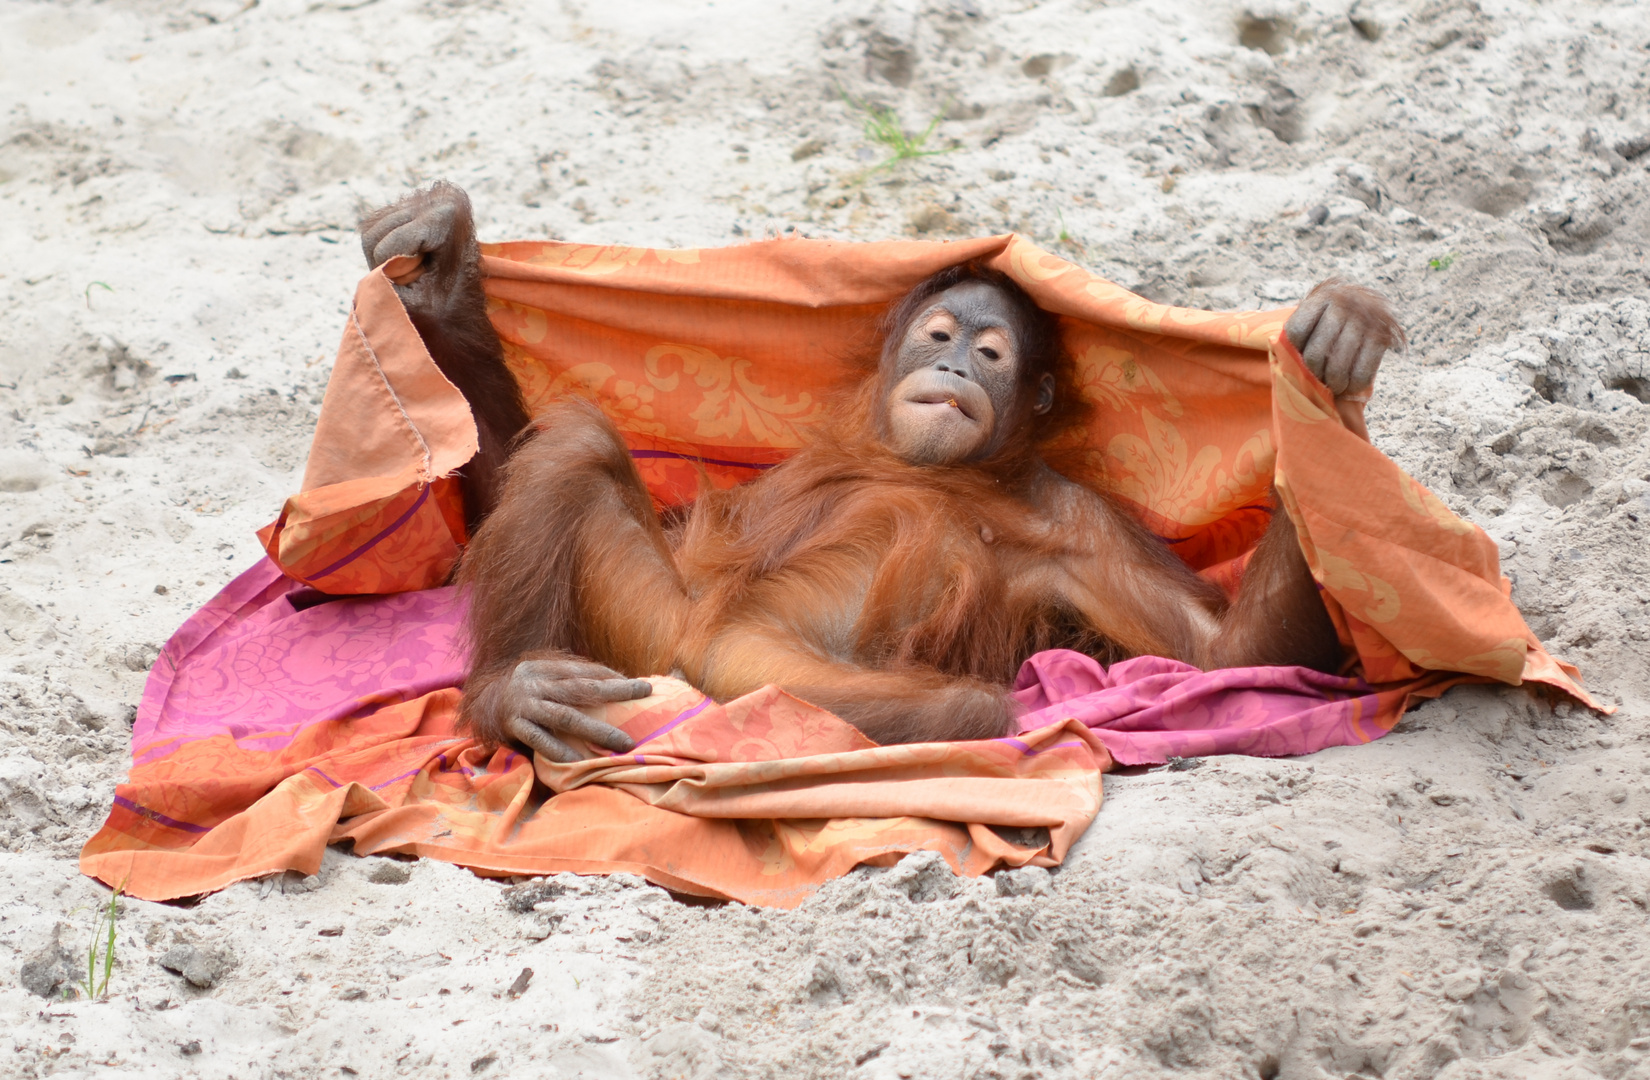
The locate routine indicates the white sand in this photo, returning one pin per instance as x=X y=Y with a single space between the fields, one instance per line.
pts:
x=1466 y=898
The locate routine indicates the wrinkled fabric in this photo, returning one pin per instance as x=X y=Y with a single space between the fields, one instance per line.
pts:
x=1149 y=709
x=270 y=729
x=314 y=700
x=273 y=725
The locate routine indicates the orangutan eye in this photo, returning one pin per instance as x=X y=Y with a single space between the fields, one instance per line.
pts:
x=939 y=335
x=990 y=354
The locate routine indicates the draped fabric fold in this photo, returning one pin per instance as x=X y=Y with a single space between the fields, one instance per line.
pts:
x=313 y=700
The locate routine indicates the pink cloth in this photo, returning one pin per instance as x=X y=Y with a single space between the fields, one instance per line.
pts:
x=1149 y=709
x=253 y=665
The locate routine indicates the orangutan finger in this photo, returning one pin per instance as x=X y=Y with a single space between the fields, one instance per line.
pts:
x=580 y=692
x=1367 y=365
x=540 y=741
x=373 y=230
x=564 y=720
x=1343 y=358
x=1305 y=319
x=565 y=667
x=1316 y=352
x=592 y=730
x=424 y=233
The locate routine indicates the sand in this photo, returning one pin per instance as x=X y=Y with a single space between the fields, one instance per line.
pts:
x=1465 y=898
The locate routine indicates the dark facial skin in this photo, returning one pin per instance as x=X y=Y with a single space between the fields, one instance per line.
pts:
x=957 y=379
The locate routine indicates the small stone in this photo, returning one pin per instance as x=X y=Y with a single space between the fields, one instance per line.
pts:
x=160 y=590
x=190 y=1048
x=201 y=967
x=1461 y=985
x=390 y=873
x=48 y=971
x=1026 y=881
x=933 y=218
x=1283 y=290
x=176 y=957
x=290 y=883
x=922 y=876
x=870 y=1053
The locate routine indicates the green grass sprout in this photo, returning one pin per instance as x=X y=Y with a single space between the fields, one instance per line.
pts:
x=882 y=125
x=103 y=934
x=1065 y=234
x=1442 y=263
x=99 y=284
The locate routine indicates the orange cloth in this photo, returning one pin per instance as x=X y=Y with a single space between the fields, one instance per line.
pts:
x=715 y=362
x=760 y=800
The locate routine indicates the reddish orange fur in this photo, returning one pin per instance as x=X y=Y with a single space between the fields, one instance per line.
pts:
x=902 y=597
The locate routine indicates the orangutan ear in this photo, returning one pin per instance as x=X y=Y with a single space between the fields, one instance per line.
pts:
x=1045 y=395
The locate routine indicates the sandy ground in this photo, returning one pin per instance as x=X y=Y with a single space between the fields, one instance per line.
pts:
x=1466 y=898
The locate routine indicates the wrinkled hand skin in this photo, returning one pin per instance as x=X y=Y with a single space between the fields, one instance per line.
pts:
x=543 y=700
x=1342 y=331
x=435 y=226
x=441 y=288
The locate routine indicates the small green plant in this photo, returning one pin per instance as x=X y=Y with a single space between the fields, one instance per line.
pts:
x=1443 y=262
x=1065 y=234
x=882 y=125
x=103 y=941
x=99 y=284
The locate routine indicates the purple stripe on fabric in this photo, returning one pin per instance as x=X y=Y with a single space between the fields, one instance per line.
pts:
x=700 y=460
x=324 y=776
x=1024 y=748
x=394 y=779
x=681 y=718
x=158 y=817
x=423 y=494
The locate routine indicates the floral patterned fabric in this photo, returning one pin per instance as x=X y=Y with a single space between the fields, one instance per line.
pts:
x=1149 y=709
x=292 y=711
x=274 y=724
